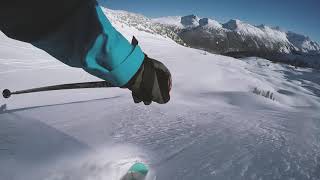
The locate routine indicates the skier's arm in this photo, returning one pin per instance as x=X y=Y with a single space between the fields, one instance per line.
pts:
x=78 y=33
x=81 y=37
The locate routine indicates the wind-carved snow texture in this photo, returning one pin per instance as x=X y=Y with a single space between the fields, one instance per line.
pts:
x=214 y=127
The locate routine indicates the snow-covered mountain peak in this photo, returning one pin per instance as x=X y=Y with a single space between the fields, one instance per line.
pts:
x=269 y=28
x=181 y=22
x=263 y=26
x=298 y=37
x=277 y=28
x=265 y=34
x=210 y=23
x=169 y=20
x=190 y=21
x=233 y=24
x=244 y=29
x=304 y=43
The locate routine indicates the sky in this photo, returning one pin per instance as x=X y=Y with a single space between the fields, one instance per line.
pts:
x=301 y=16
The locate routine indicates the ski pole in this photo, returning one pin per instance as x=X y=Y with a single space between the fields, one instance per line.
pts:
x=98 y=84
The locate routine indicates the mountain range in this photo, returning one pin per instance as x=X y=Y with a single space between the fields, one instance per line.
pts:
x=240 y=39
x=234 y=38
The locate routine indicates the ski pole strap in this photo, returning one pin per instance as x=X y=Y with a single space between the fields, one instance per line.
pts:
x=98 y=84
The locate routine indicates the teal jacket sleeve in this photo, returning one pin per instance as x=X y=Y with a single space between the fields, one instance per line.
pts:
x=111 y=57
x=83 y=37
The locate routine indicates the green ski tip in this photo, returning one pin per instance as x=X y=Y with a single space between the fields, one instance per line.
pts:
x=137 y=171
x=139 y=168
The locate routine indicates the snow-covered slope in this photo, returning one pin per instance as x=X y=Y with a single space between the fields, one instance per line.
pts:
x=141 y=23
x=221 y=122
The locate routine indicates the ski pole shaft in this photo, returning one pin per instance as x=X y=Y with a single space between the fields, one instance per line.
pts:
x=98 y=84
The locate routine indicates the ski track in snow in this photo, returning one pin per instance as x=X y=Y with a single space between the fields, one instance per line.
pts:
x=213 y=128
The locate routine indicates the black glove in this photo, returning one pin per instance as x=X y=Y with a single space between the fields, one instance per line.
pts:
x=152 y=82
